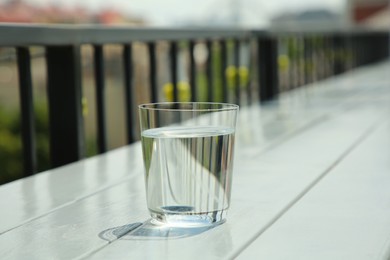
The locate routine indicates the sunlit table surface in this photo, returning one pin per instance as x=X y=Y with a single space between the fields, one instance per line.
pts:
x=311 y=181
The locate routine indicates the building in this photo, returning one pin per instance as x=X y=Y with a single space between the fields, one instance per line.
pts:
x=372 y=13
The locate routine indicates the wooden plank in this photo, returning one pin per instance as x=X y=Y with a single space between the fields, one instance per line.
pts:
x=346 y=216
x=72 y=230
x=60 y=200
x=128 y=160
x=263 y=190
x=63 y=188
x=223 y=241
x=32 y=197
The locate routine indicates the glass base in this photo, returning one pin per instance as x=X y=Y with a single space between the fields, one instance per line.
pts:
x=183 y=216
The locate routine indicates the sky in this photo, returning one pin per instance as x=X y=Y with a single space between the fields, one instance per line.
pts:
x=178 y=12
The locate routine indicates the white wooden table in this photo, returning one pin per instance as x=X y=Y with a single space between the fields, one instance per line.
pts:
x=311 y=181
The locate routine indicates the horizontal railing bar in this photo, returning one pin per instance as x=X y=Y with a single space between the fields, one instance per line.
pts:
x=324 y=31
x=75 y=35
x=23 y=35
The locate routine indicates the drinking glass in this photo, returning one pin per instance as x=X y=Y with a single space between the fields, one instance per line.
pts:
x=188 y=158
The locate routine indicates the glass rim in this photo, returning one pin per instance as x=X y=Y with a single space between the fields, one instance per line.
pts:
x=223 y=106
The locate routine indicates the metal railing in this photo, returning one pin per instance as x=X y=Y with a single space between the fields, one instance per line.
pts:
x=312 y=55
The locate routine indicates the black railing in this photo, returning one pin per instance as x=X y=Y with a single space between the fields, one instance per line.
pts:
x=312 y=55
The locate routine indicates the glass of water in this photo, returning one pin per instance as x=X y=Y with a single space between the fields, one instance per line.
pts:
x=188 y=157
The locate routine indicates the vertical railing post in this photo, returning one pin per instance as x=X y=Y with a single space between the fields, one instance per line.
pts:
x=100 y=100
x=338 y=51
x=381 y=48
x=356 y=50
x=364 y=49
x=376 y=47
x=27 y=111
x=237 y=83
x=173 y=70
x=372 y=45
x=128 y=82
x=192 y=76
x=223 y=70
x=300 y=60
x=292 y=45
x=251 y=73
x=66 y=125
x=308 y=59
x=209 y=71
x=348 y=51
x=323 y=52
x=385 y=45
x=359 y=50
x=268 y=67
x=152 y=71
x=352 y=45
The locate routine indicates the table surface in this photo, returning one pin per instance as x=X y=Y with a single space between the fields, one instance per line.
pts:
x=311 y=181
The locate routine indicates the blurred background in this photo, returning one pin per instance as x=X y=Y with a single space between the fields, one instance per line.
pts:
x=257 y=14
x=176 y=13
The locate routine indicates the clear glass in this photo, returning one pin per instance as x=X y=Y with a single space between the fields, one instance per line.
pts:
x=188 y=157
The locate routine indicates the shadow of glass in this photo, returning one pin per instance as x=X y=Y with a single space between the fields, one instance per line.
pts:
x=152 y=230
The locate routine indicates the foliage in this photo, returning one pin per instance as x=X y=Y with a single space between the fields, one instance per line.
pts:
x=11 y=166
x=10 y=146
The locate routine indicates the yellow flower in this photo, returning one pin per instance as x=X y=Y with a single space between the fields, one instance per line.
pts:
x=243 y=72
x=183 y=88
x=84 y=106
x=231 y=73
x=283 y=62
